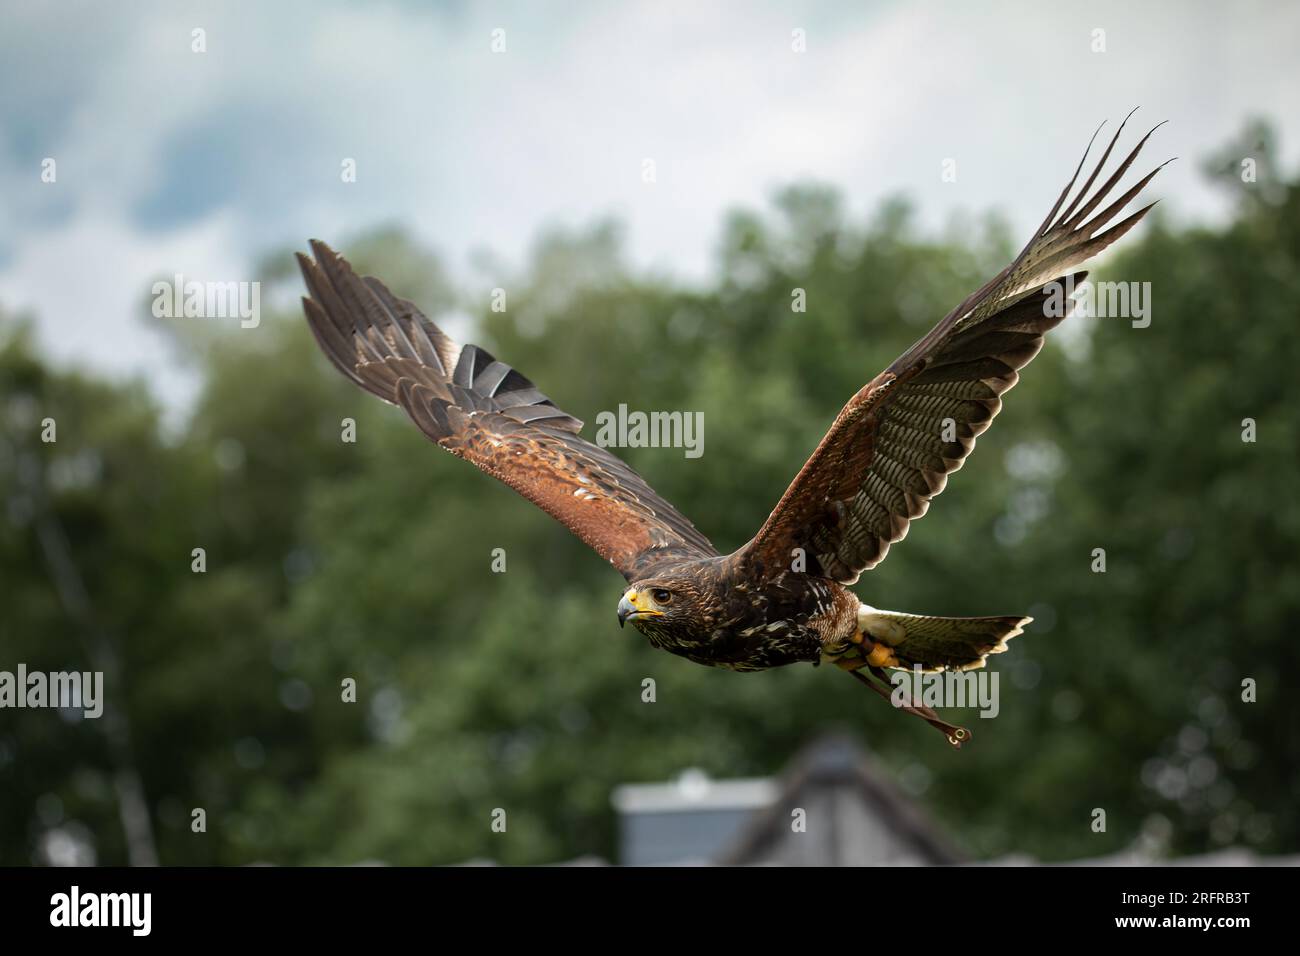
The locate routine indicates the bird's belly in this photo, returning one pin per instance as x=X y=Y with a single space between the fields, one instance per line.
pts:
x=754 y=648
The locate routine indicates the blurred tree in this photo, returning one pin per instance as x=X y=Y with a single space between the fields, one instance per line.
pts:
x=477 y=690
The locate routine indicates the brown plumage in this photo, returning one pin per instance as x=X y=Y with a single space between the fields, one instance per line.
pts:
x=782 y=597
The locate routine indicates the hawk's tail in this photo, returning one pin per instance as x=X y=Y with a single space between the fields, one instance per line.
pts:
x=935 y=643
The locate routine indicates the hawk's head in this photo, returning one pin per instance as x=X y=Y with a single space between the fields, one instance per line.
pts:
x=663 y=607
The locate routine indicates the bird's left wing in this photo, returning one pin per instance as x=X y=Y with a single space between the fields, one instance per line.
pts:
x=484 y=411
x=894 y=444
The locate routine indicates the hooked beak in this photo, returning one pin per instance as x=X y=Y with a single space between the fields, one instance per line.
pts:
x=625 y=610
x=633 y=605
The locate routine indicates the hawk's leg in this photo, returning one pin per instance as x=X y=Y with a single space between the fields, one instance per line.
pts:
x=878 y=635
x=872 y=642
x=956 y=734
x=872 y=648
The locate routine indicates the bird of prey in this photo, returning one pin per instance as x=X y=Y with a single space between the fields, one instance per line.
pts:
x=783 y=597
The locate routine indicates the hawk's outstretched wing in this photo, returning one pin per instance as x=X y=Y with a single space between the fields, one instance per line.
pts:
x=484 y=411
x=888 y=452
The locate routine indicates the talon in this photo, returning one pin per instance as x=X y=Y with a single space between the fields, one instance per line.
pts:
x=882 y=656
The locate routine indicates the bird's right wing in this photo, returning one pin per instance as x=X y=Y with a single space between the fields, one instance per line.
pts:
x=894 y=444
x=484 y=411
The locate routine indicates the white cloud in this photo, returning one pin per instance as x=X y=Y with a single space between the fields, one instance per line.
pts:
x=473 y=150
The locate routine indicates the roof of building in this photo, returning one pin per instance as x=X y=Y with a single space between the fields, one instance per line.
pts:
x=862 y=816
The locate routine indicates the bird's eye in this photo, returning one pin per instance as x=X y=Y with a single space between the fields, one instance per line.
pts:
x=661 y=596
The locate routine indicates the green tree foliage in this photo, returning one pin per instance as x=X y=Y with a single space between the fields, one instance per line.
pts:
x=477 y=690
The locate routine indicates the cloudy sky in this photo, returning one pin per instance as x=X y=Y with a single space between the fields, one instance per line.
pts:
x=171 y=160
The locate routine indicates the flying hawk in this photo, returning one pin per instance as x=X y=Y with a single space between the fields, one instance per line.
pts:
x=783 y=597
